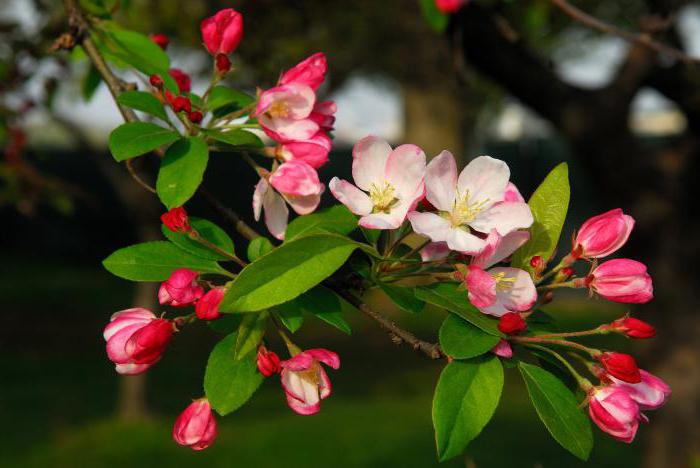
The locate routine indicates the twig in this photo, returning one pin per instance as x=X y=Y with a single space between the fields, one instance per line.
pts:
x=643 y=39
x=230 y=215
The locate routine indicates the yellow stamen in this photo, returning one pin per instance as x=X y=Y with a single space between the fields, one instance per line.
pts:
x=278 y=109
x=383 y=197
x=465 y=211
x=503 y=283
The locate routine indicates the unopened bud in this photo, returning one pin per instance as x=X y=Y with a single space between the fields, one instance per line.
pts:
x=512 y=323
x=563 y=274
x=268 y=362
x=176 y=220
x=181 y=103
x=632 y=327
x=195 y=117
x=537 y=263
x=621 y=366
x=223 y=64
x=156 y=81
x=160 y=39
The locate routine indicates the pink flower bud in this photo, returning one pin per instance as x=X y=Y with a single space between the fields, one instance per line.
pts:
x=196 y=426
x=310 y=72
x=651 y=393
x=160 y=39
x=195 y=117
x=449 y=6
x=622 y=280
x=181 y=289
x=313 y=152
x=222 y=32
x=136 y=339
x=621 y=366
x=305 y=382
x=512 y=324
x=632 y=327
x=156 y=81
x=603 y=235
x=207 y=308
x=176 y=220
x=323 y=114
x=299 y=184
x=614 y=412
x=268 y=362
x=180 y=104
x=503 y=349
x=223 y=64
x=537 y=263
x=184 y=83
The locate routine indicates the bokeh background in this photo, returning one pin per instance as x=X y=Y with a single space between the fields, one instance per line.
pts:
x=518 y=80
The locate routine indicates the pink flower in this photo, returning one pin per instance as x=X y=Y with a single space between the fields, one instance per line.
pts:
x=313 y=152
x=512 y=324
x=393 y=178
x=650 y=394
x=602 y=235
x=632 y=327
x=614 y=412
x=498 y=291
x=449 y=6
x=434 y=251
x=305 y=382
x=222 y=32
x=136 y=339
x=176 y=220
x=266 y=199
x=469 y=203
x=324 y=115
x=503 y=349
x=310 y=72
x=621 y=280
x=184 y=83
x=283 y=112
x=196 y=426
x=207 y=308
x=512 y=194
x=181 y=289
x=268 y=362
x=299 y=185
x=620 y=365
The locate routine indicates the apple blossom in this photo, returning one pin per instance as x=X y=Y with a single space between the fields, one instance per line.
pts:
x=222 y=32
x=283 y=112
x=468 y=204
x=602 y=235
x=512 y=324
x=650 y=394
x=176 y=220
x=181 y=289
x=512 y=194
x=620 y=280
x=434 y=251
x=614 y=412
x=620 y=365
x=313 y=151
x=503 y=349
x=393 y=178
x=632 y=327
x=207 y=307
x=196 y=426
x=268 y=362
x=266 y=199
x=298 y=183
x=323 y=114
x=136 y=339
x=310 y=72
x=305 y=382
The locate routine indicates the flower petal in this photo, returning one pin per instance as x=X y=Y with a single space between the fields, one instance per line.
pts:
x=441 y=181
x=353 y=198
x=276 y=214
x=485 y=178
x=462 y=241
x=405 y=170
x=431 y=225
x=518 y=293
x=325 y=356
x=369 y=155
x=504 y=217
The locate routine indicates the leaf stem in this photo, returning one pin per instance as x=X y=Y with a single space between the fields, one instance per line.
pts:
x=582 y=382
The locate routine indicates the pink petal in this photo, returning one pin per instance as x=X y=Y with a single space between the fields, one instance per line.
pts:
x=325 y=356
x=520 y=296
x=434 y=251
x=504 y=217
x=462 y=241
x=405 y=170
x=485 y=178
x=261 y=189
x=512 y=194
x=303 y=408
x=481 y=287
x=276 y=214
x=370 y=156
x=441 y=181
x=296 y=178
x=304 y=205
x=431 y=225
x=350 y=196
x=285 y=129
x=132 y=369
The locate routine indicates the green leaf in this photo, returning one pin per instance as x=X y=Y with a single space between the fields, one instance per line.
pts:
x=136 y=138
x=207 y=230
x=434 y=17
x=259 y=247
x=155 y=261
x=136 y=49
x=465 y=399
x=250 y=333
x=462 y=340
x=449 y=296
x=404 y=297
x=229 y=382
x=549 y=205
x=231 y=99
x=324 y=304
x=226 y=324
x=558 y=409
x=336 y=219
x=181 y=171
x=235 y=137
x=144 y=102
x=91 y=82
x=287 y=272
x=290 y=314
x=372 y=235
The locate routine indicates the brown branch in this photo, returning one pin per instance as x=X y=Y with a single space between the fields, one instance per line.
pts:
x=643 y=39
x=231 y=216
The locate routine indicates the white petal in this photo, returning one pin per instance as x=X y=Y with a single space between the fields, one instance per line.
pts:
x=441 y=181
x=518 y=297
x=462 y=241
x=353 y=198
x=405 y=169
x=258 y=195
x=369 y=157
x=431 y=225
x=276 y=214
x=504 y=217
x=485 y=178
x=498 y=247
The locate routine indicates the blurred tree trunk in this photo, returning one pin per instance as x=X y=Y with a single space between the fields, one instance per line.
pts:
x=656 y=183
x=432 y=119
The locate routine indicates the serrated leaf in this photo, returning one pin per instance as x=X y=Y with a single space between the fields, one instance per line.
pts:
x=144 y=102
x=235 y=137
x=207 y=230
x=155 y=261
x=466 y=397
x=136 y=138
x=250 y=333
x=462 y=340
x=287 y=272
x=181 y=171
x=259 y=247
x=558 y=409
x=449 y=296
x=549 y=205
x=229 y=382
x=337 y=219
x=404 y=297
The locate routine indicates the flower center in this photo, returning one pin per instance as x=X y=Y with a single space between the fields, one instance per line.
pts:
x=503 y=283
x=382 y=197
x=279 y=109
x=465 y=211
